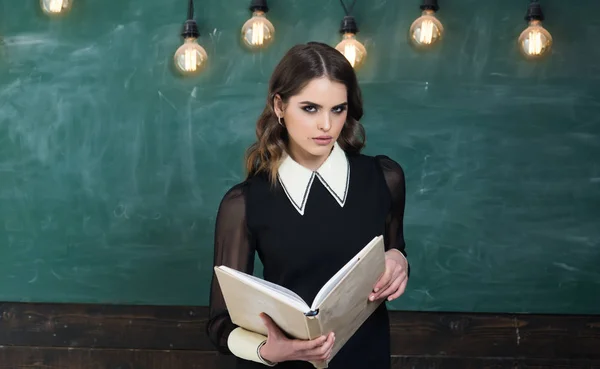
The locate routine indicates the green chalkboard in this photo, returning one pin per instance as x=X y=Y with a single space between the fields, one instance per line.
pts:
x=112 y=166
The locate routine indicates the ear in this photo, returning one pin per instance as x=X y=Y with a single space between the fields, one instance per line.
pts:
x=278 y=105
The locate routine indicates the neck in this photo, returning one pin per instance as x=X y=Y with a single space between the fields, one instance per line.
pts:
x=306 y=159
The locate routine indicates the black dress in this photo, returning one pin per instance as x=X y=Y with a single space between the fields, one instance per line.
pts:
x=304 y=229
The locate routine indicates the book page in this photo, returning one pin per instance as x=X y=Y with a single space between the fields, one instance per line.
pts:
x=345 y=308
x=324 y=291
x=335 y=280
x=279 y=290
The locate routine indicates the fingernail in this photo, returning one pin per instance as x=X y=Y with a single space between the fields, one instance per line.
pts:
x=376 y=289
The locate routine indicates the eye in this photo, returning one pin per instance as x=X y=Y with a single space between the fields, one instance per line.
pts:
x=339 y=109
x=309 y=108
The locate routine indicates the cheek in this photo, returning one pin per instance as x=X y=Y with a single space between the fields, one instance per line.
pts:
x=340 y=120
x=300 y=125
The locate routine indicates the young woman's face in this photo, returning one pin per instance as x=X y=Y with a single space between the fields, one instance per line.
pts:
x=314 y=119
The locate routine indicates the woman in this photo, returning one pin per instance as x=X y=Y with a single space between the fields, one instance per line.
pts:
x=309 y=203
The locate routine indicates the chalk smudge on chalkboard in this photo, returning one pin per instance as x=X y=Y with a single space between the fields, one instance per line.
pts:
x=215 y=35
x=29 y=40
x=162 y=97
x=425 y=292
x=121 y=212
x=424 y=174
x=56 y=274
x=35 y=277
x=128 y=79
x=566 y=267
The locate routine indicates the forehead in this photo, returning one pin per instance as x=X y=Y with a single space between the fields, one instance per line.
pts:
x=322 y=91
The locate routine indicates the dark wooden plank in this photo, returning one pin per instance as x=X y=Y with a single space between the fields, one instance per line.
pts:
x=439 y=362
x=495 y=335
x=83 y=358
x=414 y=334
x=112 y=326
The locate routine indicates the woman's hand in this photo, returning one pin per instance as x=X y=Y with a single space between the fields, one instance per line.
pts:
x=392 y=282
x=280 y=348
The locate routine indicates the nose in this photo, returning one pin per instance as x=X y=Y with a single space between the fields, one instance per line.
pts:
x=325 y=123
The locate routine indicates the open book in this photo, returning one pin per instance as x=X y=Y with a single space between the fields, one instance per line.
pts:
x=341 y=305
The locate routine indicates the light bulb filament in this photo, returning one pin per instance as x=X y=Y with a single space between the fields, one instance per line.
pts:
x=190 y=60
x=350 y=53
x=55 y=6
x=535 y=42
x=426 y=35
x=258 y=33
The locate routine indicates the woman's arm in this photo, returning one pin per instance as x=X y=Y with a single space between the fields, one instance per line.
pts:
x=233 y=247
x=393 y=281
x=396 y=185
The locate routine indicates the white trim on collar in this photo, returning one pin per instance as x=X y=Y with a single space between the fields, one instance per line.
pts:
x=297 y=180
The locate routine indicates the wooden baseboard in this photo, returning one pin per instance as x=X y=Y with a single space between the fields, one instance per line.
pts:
x=76 y=336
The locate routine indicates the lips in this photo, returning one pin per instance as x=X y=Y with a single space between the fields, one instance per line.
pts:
x=323 y=140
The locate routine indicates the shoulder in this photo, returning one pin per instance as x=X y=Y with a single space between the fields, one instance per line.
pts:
x=235 y=193
x=392 y=170
x=234 y=199
x=240 y=194
x=388 y=172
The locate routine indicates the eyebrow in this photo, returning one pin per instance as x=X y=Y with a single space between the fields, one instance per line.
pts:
x=319 y=106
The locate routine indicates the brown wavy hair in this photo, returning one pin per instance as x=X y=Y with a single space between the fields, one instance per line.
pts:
x=297 y=68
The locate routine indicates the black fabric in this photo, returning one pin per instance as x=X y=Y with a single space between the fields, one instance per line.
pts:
x=301 y=252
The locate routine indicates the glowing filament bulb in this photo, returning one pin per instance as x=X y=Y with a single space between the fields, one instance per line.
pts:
x=535 y=41
x=426 y=30
x=190 y=57
x=258 y=32
x=55 y=6
x=352 y=49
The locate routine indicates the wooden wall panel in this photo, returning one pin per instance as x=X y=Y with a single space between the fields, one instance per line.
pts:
x=74 y=336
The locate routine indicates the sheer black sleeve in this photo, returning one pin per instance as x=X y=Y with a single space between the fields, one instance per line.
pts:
x=234 y=248
x=396 y=185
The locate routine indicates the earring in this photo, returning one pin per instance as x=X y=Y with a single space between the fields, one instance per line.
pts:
x=281 y=124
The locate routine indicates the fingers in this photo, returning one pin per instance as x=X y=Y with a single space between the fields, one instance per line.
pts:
x=272 y=328
x=318 y=349
x=386 y=281
x=385 y=278
x=324 y=351
x=400 y=290
x=398 y=279
x=391 y=288
x=316 y=343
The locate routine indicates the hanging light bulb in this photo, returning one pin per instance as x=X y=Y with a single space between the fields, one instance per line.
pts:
x=535 y=41
x=352 y=49
x=258 y=32
x=55 y=7
x=190 y=58
x=426 y=30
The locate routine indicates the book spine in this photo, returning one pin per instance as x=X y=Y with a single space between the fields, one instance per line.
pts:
x=313 y=326
x=315 y=329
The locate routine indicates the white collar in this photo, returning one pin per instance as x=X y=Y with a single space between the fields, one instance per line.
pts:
x=334 y=173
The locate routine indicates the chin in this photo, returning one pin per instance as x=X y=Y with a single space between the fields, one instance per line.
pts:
x=319 y=151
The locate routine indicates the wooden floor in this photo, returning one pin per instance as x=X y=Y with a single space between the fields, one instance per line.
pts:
x=74 y=336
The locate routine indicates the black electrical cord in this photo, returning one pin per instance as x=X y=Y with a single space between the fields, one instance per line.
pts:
x=348 y=23
x=190 y=28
